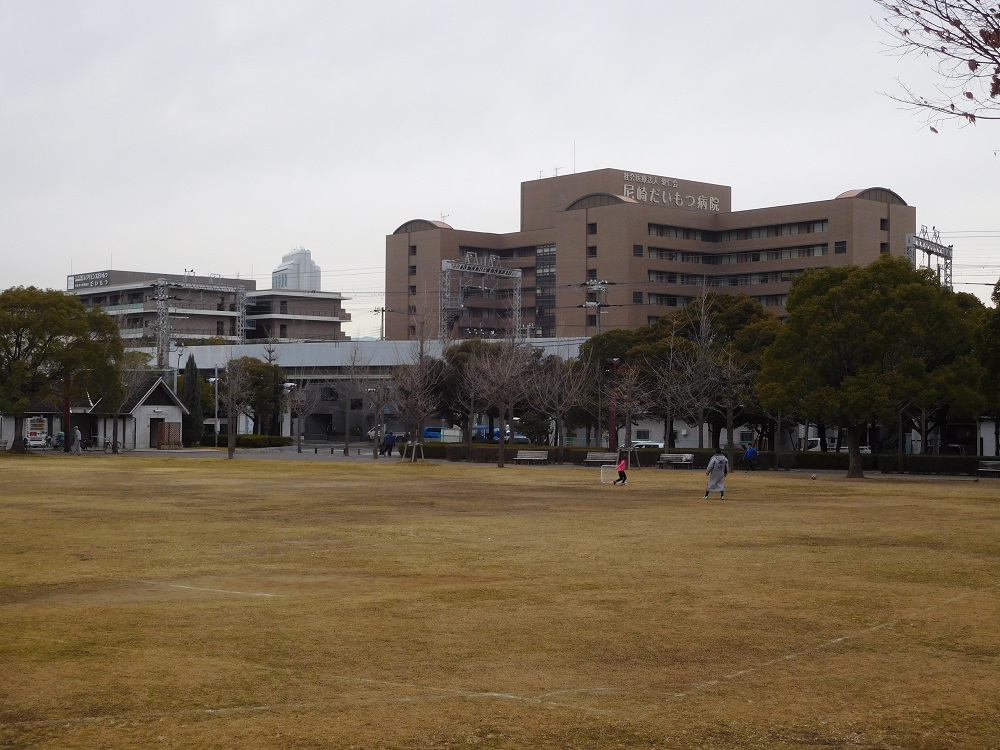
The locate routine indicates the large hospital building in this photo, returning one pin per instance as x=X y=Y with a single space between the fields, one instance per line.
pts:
x=619 y=249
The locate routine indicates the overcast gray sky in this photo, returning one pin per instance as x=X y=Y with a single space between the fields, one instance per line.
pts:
x=217 y=135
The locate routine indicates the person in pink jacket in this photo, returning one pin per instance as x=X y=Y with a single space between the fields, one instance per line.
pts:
x=621 y=473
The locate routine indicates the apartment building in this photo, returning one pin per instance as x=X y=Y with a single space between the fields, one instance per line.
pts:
x=157 y=309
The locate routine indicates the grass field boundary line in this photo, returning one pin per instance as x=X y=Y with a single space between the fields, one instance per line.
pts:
x=214 y=591
x=701 y=686
x=158 y=715
x=444 y=693
x=440 y=694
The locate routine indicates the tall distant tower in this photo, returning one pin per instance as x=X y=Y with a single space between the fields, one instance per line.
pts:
x=297 y=271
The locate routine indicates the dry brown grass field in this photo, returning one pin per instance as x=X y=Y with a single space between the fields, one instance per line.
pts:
x=150 y=602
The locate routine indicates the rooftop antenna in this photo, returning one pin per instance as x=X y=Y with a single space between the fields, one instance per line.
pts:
x=555 y=171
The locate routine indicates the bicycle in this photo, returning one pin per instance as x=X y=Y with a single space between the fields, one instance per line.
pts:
x=112 y=447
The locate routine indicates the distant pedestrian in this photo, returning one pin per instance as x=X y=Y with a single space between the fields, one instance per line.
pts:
x=750 y=458
x=388 y=444
x=621 y=472
x=716 y=471
x=77 y=441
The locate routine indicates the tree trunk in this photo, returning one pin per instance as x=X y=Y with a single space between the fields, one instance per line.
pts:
x=730 y=430
x=233 y=418
x=854 y=470
x=923 y=432
x=900 y=452
x=18 y=444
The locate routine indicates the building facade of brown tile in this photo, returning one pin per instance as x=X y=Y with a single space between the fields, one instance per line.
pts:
x=617 y=249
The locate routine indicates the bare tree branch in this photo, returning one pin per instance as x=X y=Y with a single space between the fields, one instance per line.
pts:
x=963 y=36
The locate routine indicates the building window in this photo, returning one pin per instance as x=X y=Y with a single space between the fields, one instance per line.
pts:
x=840 y=246
x=283 y=307
x=220 y=328
x=413 y=249
x=642 y=434
x=592 y=251
x=592 y=321
x=413 y=270
x=591 y=273
x=637 y=298
x=883 y=224
x=411 y=331
x=592 y=228
x=411 y=290
x=283 y=332
x=637 y=251
x=883 y=248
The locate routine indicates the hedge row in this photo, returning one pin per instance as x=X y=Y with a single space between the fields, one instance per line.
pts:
x=797 y=460
x=248 y=441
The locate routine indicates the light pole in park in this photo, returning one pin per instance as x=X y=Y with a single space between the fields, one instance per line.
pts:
x=215 y=382
x=288 y=388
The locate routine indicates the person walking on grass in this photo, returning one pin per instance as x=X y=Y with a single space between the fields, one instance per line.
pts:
x=750 y=458
x=77 y=441
x=716 y=471
x=621 y=473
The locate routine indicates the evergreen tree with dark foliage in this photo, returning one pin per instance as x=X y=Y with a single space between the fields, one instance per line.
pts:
x=194 y=421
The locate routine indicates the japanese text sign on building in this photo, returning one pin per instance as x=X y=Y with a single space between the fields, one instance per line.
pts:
x=87 y=280
x=667 y=191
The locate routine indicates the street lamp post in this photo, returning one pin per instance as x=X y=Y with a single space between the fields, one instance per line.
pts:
x=215 y=382
x=288 y=388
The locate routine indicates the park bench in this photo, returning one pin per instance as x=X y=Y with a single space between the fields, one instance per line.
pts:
x=989 y=468
x=532 y=456
x=597 y=457
x=676 y=459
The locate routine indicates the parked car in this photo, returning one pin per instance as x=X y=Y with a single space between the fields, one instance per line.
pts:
x=646 y=444
x=518 y=437
x=480 y=432
x=831 y=445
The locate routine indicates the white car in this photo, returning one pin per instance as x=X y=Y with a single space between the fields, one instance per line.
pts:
x=646 y=444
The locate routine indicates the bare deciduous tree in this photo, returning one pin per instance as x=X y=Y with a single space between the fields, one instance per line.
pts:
x=696 y=386
x=500 y=373
x=305 y=395
x=415 y=386
x=556 y=386
x=237 y=388
x=735 y=379
x=963 y=36
x=632 y=396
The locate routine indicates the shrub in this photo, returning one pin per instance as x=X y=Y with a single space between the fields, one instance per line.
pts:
x=929 y=464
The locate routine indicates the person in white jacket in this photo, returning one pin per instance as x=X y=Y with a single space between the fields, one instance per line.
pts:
x=716 y=471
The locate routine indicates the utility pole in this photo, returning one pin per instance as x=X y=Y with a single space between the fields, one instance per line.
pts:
x=599 y=288
x=381 y=326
